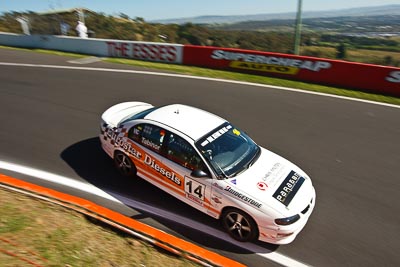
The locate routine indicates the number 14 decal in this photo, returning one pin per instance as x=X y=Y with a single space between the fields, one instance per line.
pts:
x=194 y=188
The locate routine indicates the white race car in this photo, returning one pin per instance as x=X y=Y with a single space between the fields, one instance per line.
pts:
x=211 y=165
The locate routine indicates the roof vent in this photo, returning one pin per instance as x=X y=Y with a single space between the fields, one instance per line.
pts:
x=176 y=111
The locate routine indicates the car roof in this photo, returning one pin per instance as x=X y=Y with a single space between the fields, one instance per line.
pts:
x=191 y=121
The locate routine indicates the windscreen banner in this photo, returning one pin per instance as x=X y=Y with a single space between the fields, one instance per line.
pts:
x=366 y=77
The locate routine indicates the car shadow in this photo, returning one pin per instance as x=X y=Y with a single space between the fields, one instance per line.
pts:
x=91 y=163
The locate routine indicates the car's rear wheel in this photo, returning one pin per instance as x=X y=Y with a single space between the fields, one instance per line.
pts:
x=239 y=225
x=124 y=164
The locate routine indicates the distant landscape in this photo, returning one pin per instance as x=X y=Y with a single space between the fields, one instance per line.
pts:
x=386 y=10
x=368 y=35
x=370 y=26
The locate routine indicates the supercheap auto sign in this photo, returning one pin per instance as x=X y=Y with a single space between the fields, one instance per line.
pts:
x=367 y=77
x=252 y=61
x=273 y=64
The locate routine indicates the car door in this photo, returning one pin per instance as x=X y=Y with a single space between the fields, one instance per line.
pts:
x=149 y=140
x=181 y=157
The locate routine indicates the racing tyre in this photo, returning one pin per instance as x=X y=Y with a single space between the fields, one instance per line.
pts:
x=124 y=164
x=239 y=225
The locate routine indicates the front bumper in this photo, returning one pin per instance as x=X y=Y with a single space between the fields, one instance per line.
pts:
x=282 y=235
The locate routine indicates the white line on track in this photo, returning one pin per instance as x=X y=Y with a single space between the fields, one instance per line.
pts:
x=58 y=179
x=85 y=60
x=194 y=77
x=113 y=196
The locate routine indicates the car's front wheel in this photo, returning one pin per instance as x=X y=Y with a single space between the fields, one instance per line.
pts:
x=124 y=164
x=239 y=225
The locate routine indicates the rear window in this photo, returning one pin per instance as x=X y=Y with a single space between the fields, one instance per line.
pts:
x=139 y=115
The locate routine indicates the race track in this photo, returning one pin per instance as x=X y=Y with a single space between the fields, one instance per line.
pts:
x=50 y=121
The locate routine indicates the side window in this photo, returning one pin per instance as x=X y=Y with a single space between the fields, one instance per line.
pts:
x=148 y=135
x=135 y=133
x=182 y=153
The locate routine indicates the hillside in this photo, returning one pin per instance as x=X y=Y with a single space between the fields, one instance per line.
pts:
x=349 y=25
x=354 y=12
x=369 y=39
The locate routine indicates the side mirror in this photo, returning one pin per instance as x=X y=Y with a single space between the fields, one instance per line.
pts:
x=199 y=174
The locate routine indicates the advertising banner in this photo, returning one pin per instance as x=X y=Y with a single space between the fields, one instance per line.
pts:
x=158 y=52
x=366 y=77
x=149 y=51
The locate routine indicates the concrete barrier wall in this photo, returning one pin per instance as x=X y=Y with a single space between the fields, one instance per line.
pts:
x=17 y=40
x=158 y=52
x=366 y=77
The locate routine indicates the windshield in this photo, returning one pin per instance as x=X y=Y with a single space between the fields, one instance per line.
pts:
x=228 y=150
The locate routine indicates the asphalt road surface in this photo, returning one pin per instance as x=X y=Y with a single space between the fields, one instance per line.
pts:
x=49 y=120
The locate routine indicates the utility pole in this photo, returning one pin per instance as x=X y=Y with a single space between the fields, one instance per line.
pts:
x=297 y=36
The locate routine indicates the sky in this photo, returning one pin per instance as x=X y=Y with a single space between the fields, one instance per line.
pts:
x=164 y=9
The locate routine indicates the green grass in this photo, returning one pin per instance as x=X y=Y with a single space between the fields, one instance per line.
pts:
x=50 y=235
x=10 y=221
x=203 y=72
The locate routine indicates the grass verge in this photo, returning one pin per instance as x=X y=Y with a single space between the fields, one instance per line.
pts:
x=203 y=72
x=38 y=233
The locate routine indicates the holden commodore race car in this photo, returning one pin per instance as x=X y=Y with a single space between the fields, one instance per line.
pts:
x=208 y=163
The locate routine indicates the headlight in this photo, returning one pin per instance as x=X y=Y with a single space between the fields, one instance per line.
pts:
x=288 y=220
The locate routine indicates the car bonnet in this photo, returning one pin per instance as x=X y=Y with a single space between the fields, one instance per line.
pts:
x=276 y=183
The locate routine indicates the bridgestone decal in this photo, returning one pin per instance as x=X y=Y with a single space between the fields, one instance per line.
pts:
x=243 y=197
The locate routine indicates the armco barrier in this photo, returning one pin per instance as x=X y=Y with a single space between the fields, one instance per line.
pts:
x=157 y=52
x=366 y=77
x=147 y=233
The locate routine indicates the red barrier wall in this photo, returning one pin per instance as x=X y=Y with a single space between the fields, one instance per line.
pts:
x=366 y=77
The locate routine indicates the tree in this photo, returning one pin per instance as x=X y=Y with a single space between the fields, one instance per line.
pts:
x=388 y=60
x=139 y=20
x=124 y=16
x=341 y=51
